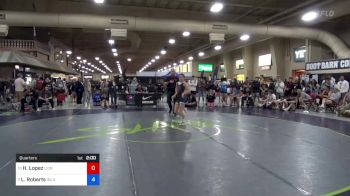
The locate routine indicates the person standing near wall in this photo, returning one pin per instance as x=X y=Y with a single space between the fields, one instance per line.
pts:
x=79 y=91
x=201 y=91
x=280 y=87
x=193 y=85
x=343 y=87
x=87 y=93
x=19 y=87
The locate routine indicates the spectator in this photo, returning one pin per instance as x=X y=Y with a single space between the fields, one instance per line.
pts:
x=326 y=83
x=138 y=95
x=73 y=87
x=344 y=108
x=113 y=93
x=343 y=87
x=269 y=101
x=60 y=85
x=303 y=97
x=30 y=97
x=79 y=90
x=87 y=93
x=256 y=90
x=211 y=98
x=247 y=99
x=45 y=97
x=191 y=101
x=193 y=85
x=201 y=91
x=2 y=91
x=279 y=87
x=104 y=92
x=224 y=85
x=20 y=85
x=270 y=84
x=133 y=85
x=333 y=98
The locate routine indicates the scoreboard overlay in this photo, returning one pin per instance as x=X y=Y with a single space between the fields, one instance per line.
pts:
x=57 y=169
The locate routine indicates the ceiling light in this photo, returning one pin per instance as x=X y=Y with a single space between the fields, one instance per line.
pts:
x=190 y=58
x=129 y=59
x=117 y=62
x=89 y=63
x=245 y=37
x=97 y=58
x=169 y=66
x=163 y=52
x=201 y=54
x=182 y=61
x=115 y=54
x=69 y=52
x=172 y=41
x=157 y=57
x=174 y=64
x=78 y=57
x=216 y=7
x=111 y=41
x=101 y=62
x=114 y=50
x=218 y=47
x=153 y=60
x=186 y=33
x=309 y=16
x=84 y=61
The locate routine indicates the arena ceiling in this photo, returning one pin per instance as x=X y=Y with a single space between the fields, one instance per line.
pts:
x=141 y=47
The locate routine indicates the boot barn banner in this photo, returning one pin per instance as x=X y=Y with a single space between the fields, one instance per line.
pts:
x=327 y=65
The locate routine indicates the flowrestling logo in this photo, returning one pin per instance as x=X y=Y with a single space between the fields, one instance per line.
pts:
x=157 y=132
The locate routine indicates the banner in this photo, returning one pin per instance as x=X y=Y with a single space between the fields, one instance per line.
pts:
x=328 y=65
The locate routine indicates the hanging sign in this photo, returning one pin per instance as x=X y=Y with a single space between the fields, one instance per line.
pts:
x=327 y=65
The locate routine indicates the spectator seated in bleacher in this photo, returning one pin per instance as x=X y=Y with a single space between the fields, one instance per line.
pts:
x=332 y=99
x=30 y=97
x=344 y=108
x=191 y=101
x=269 y=101
x=45 y=97
x=303 y=98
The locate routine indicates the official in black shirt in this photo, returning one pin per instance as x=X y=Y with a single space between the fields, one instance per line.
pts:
x=171 y=86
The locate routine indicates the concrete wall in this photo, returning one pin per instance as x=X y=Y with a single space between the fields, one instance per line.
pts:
x=282 y=53
x=290 y=64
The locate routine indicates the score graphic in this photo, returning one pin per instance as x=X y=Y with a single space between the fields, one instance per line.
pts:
x=93 y=174
x=57 y=170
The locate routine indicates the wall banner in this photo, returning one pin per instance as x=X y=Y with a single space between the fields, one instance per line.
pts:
x=328 y=65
